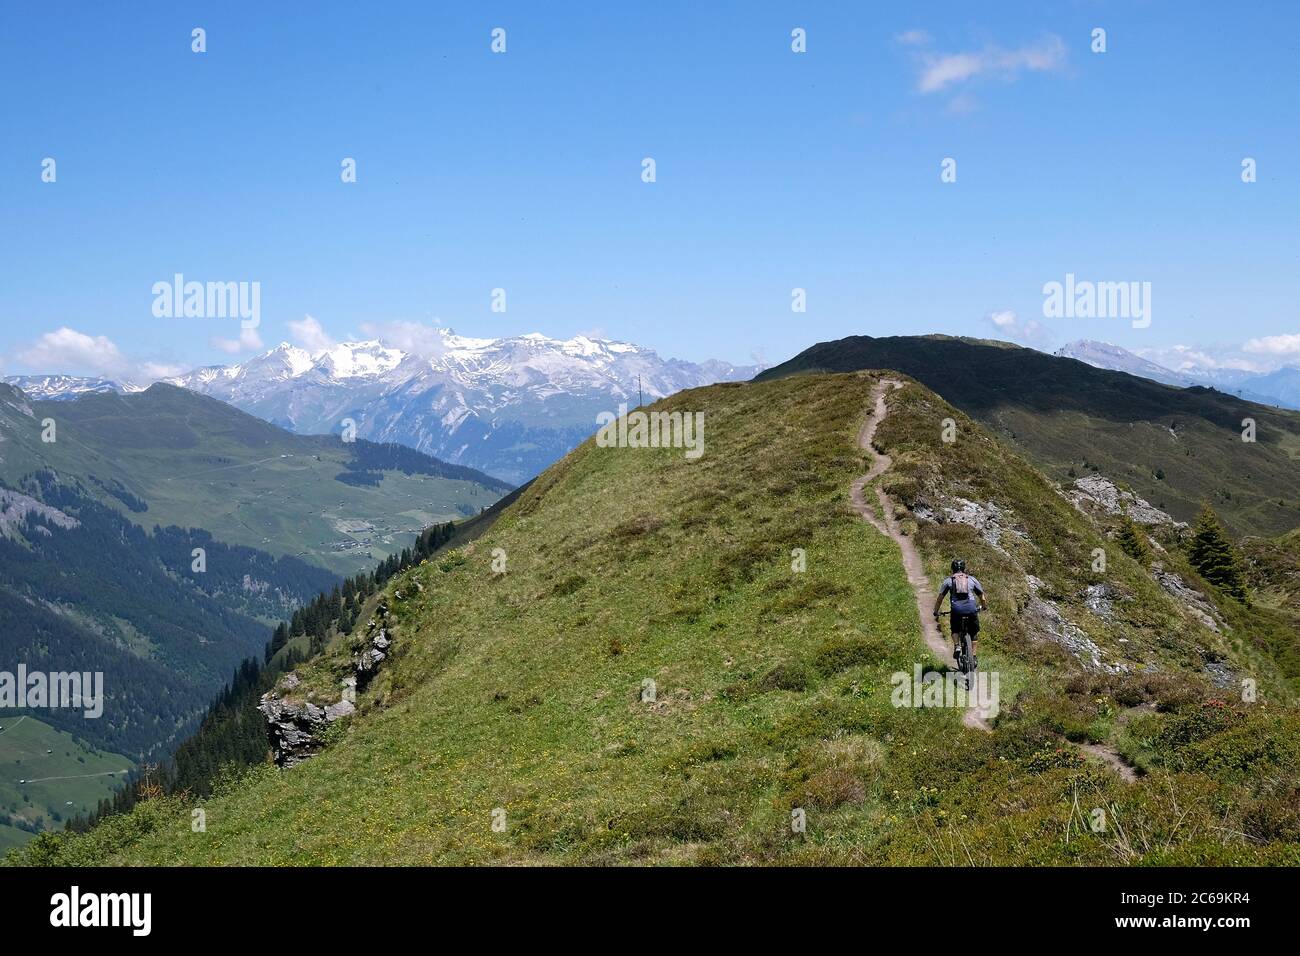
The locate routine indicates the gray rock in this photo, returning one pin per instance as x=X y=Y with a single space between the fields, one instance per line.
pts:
x=1221 y=675
x=1188 y=597
x=1100 y=492
x=1100 y=599
x=1044 y=620
x=991 y=520
x=342 y=709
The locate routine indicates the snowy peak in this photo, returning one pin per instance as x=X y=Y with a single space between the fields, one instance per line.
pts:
x=509 y=405
x=357 y=360
x=60 y=388
x=1281 y=387
x=1112 y=357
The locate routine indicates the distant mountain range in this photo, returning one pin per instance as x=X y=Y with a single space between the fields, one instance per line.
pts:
x=61 y=388
x=1281 y=387
x=508 y=406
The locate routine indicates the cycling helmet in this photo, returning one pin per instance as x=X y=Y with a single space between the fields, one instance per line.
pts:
x=958 y=565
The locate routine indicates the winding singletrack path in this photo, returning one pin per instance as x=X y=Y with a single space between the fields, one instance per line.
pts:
x=976 y=716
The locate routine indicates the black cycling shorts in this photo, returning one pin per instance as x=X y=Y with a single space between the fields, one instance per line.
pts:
x=955 y=620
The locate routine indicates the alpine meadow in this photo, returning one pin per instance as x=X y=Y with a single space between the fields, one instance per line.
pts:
x=683 y=438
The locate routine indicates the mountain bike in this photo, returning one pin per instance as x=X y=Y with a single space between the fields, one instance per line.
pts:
x=965 y=653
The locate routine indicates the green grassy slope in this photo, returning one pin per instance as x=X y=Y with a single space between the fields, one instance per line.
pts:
x=60 y=785
x=1066 y=415
x=523 y=691
x=197 y=462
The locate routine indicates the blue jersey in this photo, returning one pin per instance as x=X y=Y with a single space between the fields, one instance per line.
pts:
x=968 y=604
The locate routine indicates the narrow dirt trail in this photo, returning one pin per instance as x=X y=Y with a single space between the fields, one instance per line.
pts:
x=977 y=717
x=1112 y=759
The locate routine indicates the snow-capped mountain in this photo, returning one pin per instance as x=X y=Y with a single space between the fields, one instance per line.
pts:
x=1281 y=387
x=1112 y=357
x=507 y=406
x=60 y=388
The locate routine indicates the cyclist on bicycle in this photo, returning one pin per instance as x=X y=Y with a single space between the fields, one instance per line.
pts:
x=967 y=602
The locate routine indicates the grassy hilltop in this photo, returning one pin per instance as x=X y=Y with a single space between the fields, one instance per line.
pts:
x=523 y=691
x=1176 y=447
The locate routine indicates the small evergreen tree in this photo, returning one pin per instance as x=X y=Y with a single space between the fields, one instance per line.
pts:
x=1214 y=556
x=1133 y=541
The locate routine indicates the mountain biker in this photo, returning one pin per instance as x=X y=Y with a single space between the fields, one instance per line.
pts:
x=966 y=603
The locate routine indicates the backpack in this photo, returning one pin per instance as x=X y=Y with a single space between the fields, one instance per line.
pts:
x=961 y=586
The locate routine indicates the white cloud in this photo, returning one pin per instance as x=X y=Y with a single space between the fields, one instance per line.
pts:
x=942 y=70
x=414 y=337
x=1181 y=358
x=1278 y=345
x=248 y=341
x=308 y=333
x=1025 y=331
x=67 y=350
x=913 y=38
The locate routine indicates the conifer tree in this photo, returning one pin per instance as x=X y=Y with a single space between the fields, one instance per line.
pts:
x=1214 y=556
x=1132 y=540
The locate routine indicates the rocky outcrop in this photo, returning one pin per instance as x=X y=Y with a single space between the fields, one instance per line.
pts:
x=294 y=728
x=1044 y=620
x=1096 y=491
x=1100 y=599
x=374 y=648
x=992 y=521
x=1187 y=596
x=15 y=508
x=295 y=725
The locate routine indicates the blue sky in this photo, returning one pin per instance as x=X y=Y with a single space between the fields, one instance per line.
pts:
x=522 y=171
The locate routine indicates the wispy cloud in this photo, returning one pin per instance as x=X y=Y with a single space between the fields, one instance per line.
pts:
x=1281 y=346
x=939 y=72
x=308 y=333
x=1008 y=325
x=248 y=341
x=1181 y=358
x=409 y=336
x=66 y=350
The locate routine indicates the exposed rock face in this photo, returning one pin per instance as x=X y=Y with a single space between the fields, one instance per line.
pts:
x=1221 y=675
x=989 y=519
x=1046 y=622
x=295 y=726
x=1099 y=492
x=15 y=507
x=1187 y=596
x=375 y=648
x=1100 y=599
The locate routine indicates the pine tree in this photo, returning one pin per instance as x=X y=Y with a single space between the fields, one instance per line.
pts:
x=1132 y=540
x=1214 y=556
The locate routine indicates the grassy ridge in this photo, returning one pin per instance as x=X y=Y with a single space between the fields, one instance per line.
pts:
x=1066 y=415
x=523 y=691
